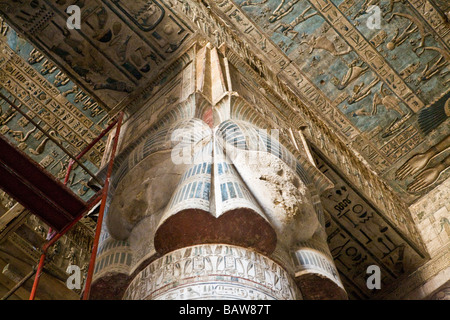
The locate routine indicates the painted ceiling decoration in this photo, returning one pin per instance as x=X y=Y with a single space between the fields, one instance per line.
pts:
x=56 y=104
x=384 y=91
x=120 y=46
x=374 y=103
x=387 y=88
x=46 y=94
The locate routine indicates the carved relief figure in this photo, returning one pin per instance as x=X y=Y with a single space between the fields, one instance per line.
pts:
x=391 y=6
x=288 y=28
x=418 y=162
x=353 y=73
x=360 y=92
x=414 y=25
x=428 y=176
x=441 y=63
x=282 y=10
x=390 y=101
x=322 y=42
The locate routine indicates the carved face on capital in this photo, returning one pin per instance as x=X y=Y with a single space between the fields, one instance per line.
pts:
x=143 y=192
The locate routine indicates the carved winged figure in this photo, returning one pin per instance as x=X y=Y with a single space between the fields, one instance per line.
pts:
x=324 y=43
x=441 y=63
x=413 y=26
x=385 y=99
x=352 y=74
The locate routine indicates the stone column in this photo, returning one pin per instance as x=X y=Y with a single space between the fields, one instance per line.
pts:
x=209 y=200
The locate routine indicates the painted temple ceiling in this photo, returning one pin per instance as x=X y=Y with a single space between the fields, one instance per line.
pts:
x=383 y=91
x=382 y=88
x=387 y=87
x=121 y=46
x=59 y=107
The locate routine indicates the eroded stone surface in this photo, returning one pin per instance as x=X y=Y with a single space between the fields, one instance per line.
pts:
x=143 y=192
x=283 y=196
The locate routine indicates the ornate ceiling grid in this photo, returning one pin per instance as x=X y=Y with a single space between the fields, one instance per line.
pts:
x=121 y=45
x=384 y=90
x=383 y=93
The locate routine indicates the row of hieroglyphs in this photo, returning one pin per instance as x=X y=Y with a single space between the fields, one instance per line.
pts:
x=28 y=84
x=218 y=265
x=60 y=80
x=359 y=236
x=20 y=81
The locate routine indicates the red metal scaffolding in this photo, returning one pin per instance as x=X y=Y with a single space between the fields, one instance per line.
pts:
x=49 y=199
x=102 y=195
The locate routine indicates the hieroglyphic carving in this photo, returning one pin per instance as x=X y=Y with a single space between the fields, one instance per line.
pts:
x=32 y=90
x=213 y=271
x=367 y=53
x=378 y=238
x=376 y=191
x=352 y=259
x=406 y=140
x=359 y=236
x=119 y=47
x=431 y=16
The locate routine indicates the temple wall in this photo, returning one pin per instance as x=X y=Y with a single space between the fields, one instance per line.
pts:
x=432 y=216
